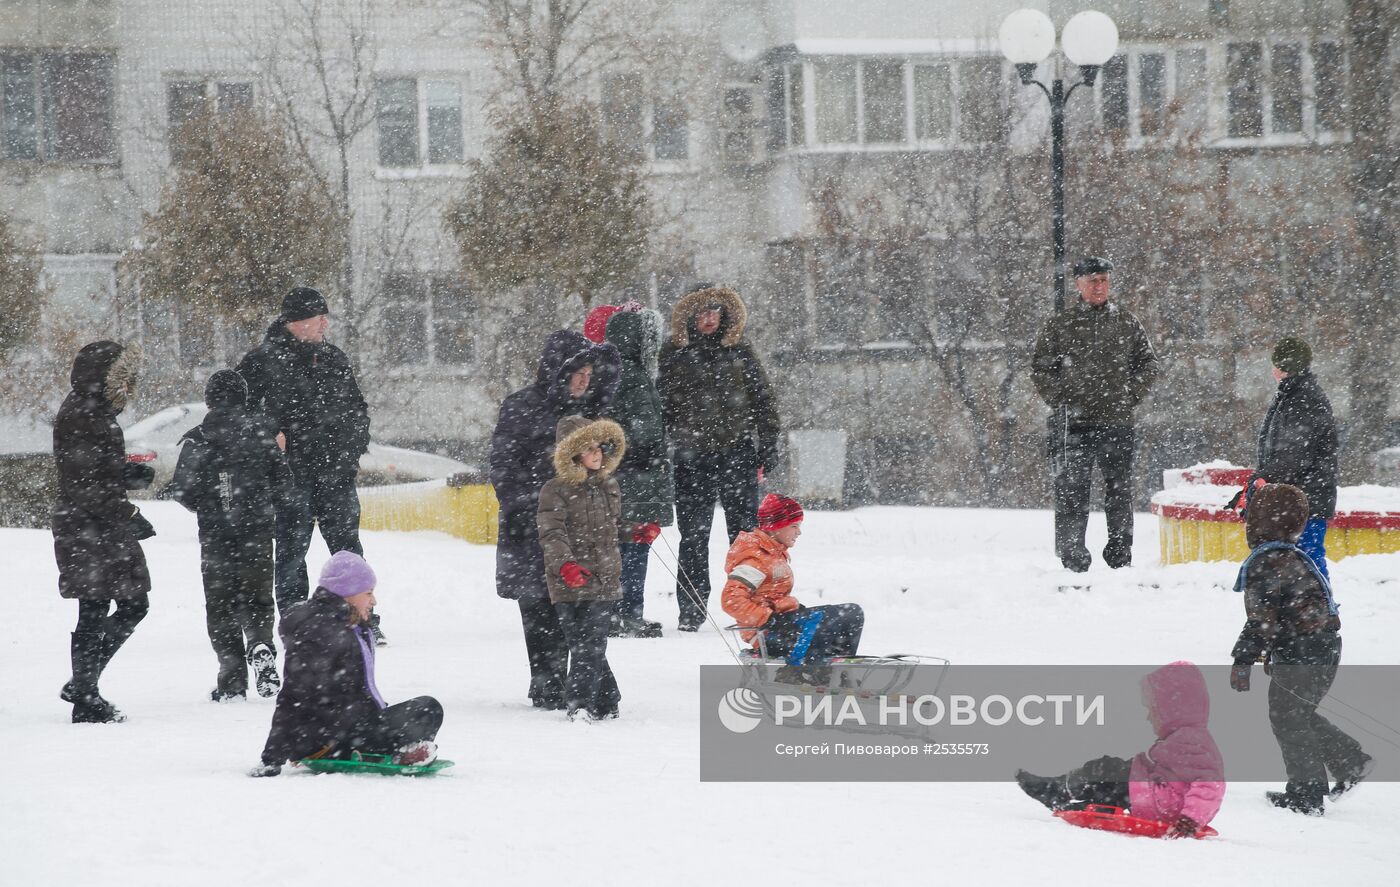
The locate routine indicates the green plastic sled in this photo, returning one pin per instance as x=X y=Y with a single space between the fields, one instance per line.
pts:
x=380 y=764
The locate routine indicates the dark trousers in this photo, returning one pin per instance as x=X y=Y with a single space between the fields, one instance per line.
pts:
x=1100 y=781
x=390 y=729
x=1302 y=670
x=334 y=506
x=836 y=632
x=590 y=684
x=731 y=477
x=1073 y=456
x=548 y=650
x=238 y=603
x=634 y=580
x=103 y=634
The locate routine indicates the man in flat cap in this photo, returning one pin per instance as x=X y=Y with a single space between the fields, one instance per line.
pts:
x=307 y=387
x=1093 y=365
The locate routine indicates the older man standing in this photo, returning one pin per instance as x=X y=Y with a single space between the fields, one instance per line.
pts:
x=307 y=387
x=1093 y=365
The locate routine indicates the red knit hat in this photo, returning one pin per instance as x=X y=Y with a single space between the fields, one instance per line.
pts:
x=595 y=326
x=777 y=512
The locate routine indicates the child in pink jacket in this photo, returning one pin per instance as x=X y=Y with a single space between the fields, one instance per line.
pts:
x=1180 y=779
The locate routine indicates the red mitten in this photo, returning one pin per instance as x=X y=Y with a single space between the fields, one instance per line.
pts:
x=785 y=604
x=645 y=534
x=574 y=575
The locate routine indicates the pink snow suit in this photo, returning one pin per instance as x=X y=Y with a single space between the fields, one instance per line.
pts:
x=1182 y=774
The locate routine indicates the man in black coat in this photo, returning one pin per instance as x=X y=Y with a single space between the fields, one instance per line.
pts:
x=232 y=475
x=1298 y=442
x=330 y=705
x=575 y=377
x=306 y=386
x=97 y=532
x=1092 y=365
x=723 y=425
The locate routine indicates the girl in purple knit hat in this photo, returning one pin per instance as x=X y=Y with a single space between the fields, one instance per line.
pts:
x=329 y=705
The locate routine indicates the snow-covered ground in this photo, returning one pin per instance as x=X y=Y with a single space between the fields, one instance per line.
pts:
x=163 y=799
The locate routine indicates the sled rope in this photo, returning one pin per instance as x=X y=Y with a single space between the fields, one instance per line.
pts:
x=683 y=583
x=1336 y=714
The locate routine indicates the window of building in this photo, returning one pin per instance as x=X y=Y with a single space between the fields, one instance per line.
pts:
x=57 y=106
x=420 y=122
x=1152 y=86
x=933 y=102
x=1114 y=91
x=426 y=319
x=882 y=92
x=981 y=101
x=776 y=95
x=622 y=110
x=652 y=121
x=189 y=100
x=670 y=129
x=738 y=123
x=1288 y=89
x=797 y=105
x=835 y=87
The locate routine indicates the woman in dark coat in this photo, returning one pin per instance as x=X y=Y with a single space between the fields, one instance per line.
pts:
x=648 y=496
x=522 y=461
x=96 y=530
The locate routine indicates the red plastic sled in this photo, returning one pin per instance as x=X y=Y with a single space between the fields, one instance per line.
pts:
x=1115 y=819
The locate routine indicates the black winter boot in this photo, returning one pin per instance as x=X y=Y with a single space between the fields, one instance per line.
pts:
x=379 y=639
x=1307 y=800
x=1052 y=791
x=1347 y=781
x=88 y=705
x=265 y=676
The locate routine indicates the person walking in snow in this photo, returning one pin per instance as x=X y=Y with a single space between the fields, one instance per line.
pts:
x=307 y=387
x=758 y=595
x=575 y=377
x=644 y=474
x=234 y=477
x=1292 y=625
x=723 y=426
x=330 y=705
x=1092 y=364
x=581 y=524
x=97 y=532
x=1180 y=780
x=1298 y=442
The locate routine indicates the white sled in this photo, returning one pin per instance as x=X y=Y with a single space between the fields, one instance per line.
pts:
x=864 y=676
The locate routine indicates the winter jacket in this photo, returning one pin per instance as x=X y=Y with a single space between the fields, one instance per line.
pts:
x=1284 y=597
x=1183 y=773
x=760 y=581
x=95 y=532
x=522 y=451
x=714 y=392
x=233 y=476
x=1095 y=362
x=309 y=391
x=580 y=513
x=326 y=693
x=1298 y=442
x=648 y=495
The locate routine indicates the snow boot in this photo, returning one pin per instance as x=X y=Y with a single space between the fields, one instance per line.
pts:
x=815 y=675
x=633 y=627
x=1307 y=802
x=265 y=676
x=217 y=695
x=379 y=639
x=1052 y=791
x=1348 y=780
x=88 y=705
x=580 y=715
x=416 y=754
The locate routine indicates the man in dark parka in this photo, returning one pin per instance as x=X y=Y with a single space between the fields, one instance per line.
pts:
x=723 y=425
x=522 y=461
x=645 y=473
x=307 y=387
x=1093 y=365
x=1298 y=442
x=97 y=532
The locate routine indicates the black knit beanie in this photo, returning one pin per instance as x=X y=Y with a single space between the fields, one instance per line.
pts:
x=1292 y=355
x=226 y=388
x=302 y=303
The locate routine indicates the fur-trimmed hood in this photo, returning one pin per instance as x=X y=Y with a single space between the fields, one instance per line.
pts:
x=106 y=370
x=576 y=434
x=734 y=316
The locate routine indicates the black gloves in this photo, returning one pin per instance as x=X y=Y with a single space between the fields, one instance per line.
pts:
x=1239 y=676
x=137 y=475
x=140 y=526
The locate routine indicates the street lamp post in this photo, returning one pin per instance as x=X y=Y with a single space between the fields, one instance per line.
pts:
x=1089 y=39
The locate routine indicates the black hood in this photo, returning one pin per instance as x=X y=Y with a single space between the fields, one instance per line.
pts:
x=91 y=366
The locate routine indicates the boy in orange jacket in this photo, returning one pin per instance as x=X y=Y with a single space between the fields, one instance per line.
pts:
x=758 y=594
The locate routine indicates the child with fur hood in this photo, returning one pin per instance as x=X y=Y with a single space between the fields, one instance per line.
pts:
x=1180 y=779
x=581 y=525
